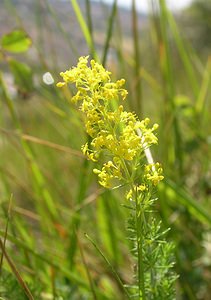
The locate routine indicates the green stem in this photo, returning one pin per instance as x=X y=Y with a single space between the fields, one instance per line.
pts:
x=139 y=239
x=140 y=219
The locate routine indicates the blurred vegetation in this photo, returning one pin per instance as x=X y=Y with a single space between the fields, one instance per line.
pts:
x=49 y=196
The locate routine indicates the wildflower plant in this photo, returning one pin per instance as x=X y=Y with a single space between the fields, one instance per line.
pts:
x=119 y=144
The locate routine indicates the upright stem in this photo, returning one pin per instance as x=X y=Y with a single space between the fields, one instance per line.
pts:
x=140 y=219
x=139 y=236
x=139 y=239
x=138 y=89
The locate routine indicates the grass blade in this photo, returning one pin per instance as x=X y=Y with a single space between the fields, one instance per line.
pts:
x=138 y=88
x=51 y=262
x=109 y=32
x=174 y=146
x=183 y=54
x=178 y=195
x=109 y=264
x=38 y=178
x=16 y=272
x=200 y=102
x=84 y=28
x=6 y=230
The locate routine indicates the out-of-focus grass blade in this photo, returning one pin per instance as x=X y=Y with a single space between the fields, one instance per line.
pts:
x=154 y=84
x=200 y=103
x=58 y=265
x=38 y=179
x=91 y=282
x=46 y=143
x=61 y=29
x=176 y=194
x=9 y=5
x=6 y=231
x=106 y=228
x=166 y=63
x=89 y=17
x=183 y=53
x=109 y=264
x=84 y=28
x=109 y=32
x=175 y=153
x=16 y=272
x=40 y=24
x=118 y=43
x=75 y=221
x=138 y=87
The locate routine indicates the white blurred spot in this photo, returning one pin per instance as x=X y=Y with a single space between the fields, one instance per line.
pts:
x=10 y=86
x=209 y=139
x=48 y=78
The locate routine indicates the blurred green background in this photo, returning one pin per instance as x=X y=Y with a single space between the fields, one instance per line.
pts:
x=48 y=194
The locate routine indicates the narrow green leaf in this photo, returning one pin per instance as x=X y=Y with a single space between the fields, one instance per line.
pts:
x=109 y=32
x=200 y=102
x=109 y=264
x=174 y=152
x=177 y=194
x=45 y=259
x=106 y=226
x=182 y=48
x=84 y=28
x=16 y=41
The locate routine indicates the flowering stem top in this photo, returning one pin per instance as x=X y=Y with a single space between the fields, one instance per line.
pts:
x=119 y=143
x=113 y=131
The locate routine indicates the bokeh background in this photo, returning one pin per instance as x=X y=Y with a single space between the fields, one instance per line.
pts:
x=48 y=194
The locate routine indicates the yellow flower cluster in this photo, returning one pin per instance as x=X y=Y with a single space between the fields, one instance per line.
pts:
x=118 y=133
x=153 y=173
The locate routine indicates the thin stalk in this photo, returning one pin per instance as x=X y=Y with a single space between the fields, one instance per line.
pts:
x=200 y=101
x=139 y=215
x=139 y=240
x=40 y=25
x=109 y=264
x=42 y=142
x=16 y=272
x=118 y=42
x=109 y=32
x=106 y=220
x=6 y=230
x=138 y=89
x=75 y=222
x=140 y=219
x=89 y=17
x=90 y=28
x=91 y=283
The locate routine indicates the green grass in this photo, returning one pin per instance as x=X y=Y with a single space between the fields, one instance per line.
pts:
x=56 y=201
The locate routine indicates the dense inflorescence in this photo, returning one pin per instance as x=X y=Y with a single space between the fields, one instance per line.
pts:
x=119 y=134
